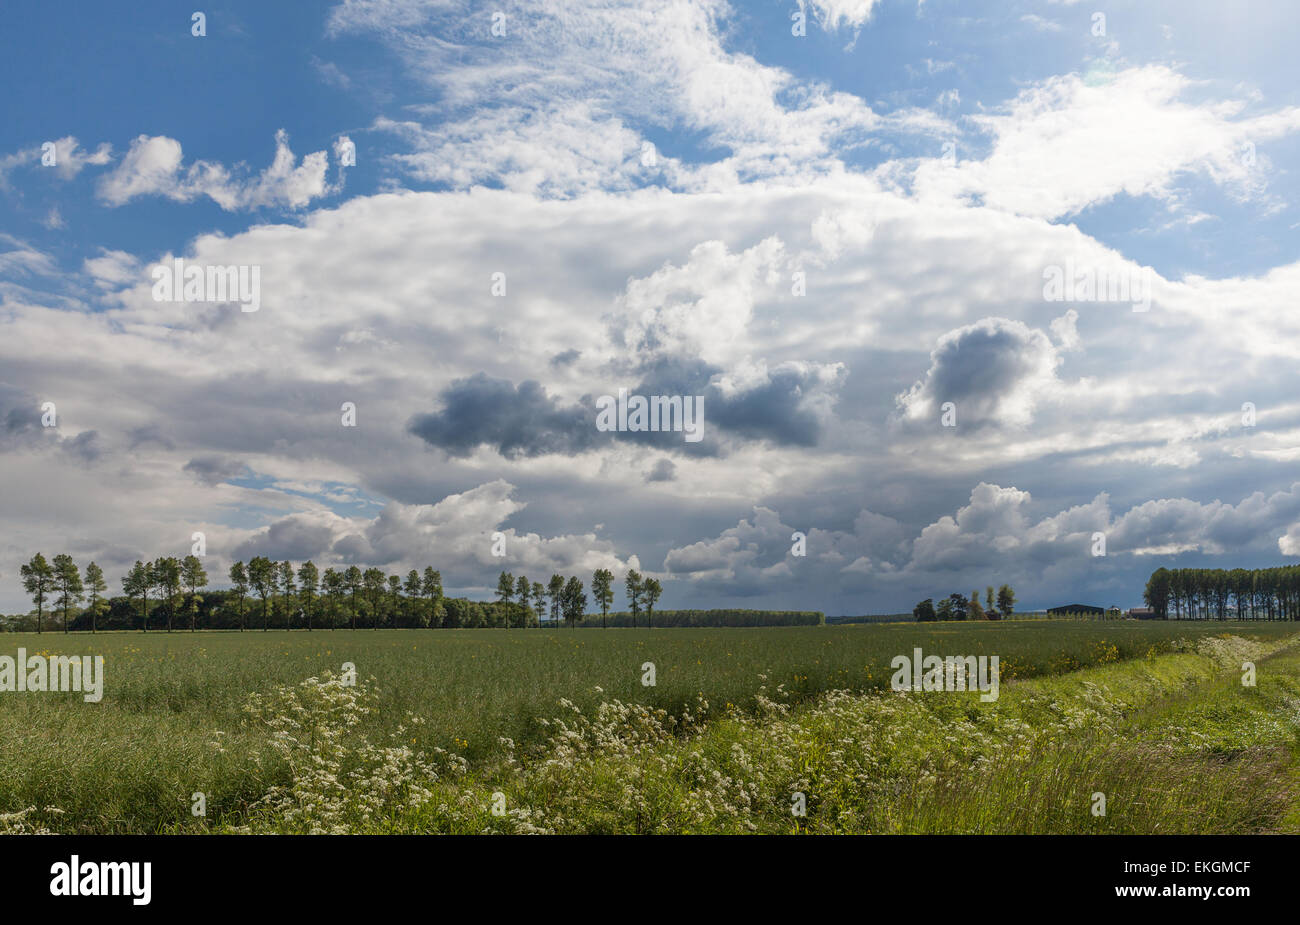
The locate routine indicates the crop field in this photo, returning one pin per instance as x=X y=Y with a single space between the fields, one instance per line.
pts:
x=441 y=723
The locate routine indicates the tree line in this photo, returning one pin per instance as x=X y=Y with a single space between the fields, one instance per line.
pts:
x=266 y=594
x=1225 y=594
x=568 y=601
x=957 y=607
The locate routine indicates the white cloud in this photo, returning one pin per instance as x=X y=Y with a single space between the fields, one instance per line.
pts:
x=69 y=159
x=832 y=14
x=1040 y=23
x=153 y=166
x=112 y=269
x=1065 y=330
x=550 y=109
x=994 y=371
x=1070 y=143
x=19 y=258
x=994 y=533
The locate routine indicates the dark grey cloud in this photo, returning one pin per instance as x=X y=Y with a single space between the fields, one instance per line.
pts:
x=353 y=549
x=515 y=421
x=565 y=358
x=86 y=446
x=295 y=538
x=148 y=434
x=215 y=469
x=991 y=370
x=20 y=417
x=22 y=427
x=524 y=421
x=664 y=470
x=776 y=411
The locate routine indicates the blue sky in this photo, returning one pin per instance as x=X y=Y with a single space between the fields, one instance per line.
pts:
x=1164 y=144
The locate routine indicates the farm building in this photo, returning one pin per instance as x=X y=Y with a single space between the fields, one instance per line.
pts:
x=1142 y=613
x=1076 y=609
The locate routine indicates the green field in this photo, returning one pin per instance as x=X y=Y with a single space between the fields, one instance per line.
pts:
x=173 y=720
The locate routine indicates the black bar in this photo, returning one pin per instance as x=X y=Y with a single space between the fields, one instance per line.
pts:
x=910 y=874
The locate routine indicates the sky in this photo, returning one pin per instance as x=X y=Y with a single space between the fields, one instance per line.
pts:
x=969 y=292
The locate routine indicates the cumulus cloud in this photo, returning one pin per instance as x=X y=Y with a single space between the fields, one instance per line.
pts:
x=71 y=158
x=154 y=166
x=455 y=534
x=786 y=406
x=296 y=537
x=996 y=533
x=1065 y=330
x=515 y=421
x=755 y=546
x=759 y=552
x=700 y=308
x=265 y=389
x=1167 y=526
x=991 y=525
x=995 y=371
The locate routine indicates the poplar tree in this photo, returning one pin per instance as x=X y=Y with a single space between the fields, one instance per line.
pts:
x=602 y=589
x=38 y=581
x=96 y=586
x=634 y=589
x=308 y=585
x=67 y=581
x=239 y=581
x=651 y=591
x=194 y=577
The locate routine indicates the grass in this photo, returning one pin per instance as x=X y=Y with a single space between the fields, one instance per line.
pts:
x=173 y=719
x=1039 y=761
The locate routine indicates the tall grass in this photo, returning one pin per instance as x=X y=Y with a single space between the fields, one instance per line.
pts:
x=1035 y=762
x=173 y=723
